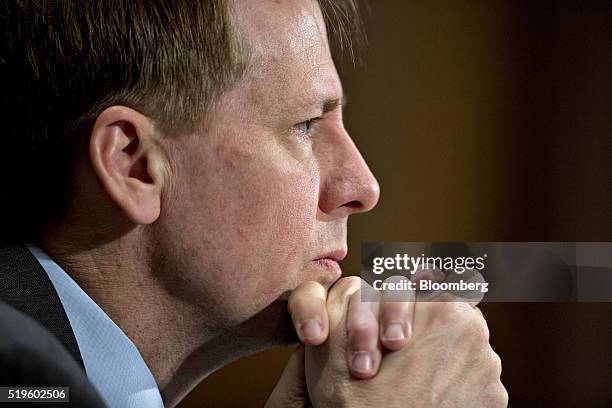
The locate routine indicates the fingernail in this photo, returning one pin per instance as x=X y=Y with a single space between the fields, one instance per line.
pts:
x=394 y=331
x=362 y=362
x=311 y=329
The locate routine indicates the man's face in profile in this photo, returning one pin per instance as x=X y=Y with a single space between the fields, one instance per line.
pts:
x=260 y=196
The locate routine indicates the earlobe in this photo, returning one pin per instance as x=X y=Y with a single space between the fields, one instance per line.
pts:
x=126 y=158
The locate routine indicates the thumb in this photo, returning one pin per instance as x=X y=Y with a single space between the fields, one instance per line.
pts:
x=290 y=391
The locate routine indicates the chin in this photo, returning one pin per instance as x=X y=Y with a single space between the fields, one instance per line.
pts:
x=271 y=327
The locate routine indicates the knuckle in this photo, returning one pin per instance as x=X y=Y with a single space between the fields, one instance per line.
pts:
x=438 y=313
x=346 y=286
x=474 y=338
x=362 y=336
x=499 y=396
x=496 y=365
x=440 y=309
x=339 y=297
x=393 y=311
x=505 y=398
x=304 y=293
x=444 y=313
x=362 y=327
x=311 y=287
x=478 y=329
x=494 y=395
x=481 y=328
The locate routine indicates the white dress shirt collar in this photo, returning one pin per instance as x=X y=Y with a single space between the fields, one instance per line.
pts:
x=112 y=362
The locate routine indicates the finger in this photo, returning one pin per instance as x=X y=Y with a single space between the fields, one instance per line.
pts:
x=363 y=348
x=396 y=313
x=430 y=315
x=448 y=289
x=471 y=277
x=338 y=298
x=307 y=306
x=428 y=274
x=424 y=279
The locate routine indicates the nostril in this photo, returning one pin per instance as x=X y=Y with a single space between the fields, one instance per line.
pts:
x=354 y=204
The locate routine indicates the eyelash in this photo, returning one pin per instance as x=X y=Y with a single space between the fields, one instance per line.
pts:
x=310 y=123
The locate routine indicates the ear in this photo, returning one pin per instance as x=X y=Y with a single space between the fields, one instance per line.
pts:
x=128 y=161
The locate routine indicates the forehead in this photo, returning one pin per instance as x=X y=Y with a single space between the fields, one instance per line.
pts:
x=290 y=56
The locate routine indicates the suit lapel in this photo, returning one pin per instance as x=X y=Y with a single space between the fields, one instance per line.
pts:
x=25 y=285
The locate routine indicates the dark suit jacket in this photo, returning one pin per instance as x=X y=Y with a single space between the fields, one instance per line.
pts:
x=37 y=344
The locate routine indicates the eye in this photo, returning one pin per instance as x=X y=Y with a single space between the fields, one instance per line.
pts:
x=306 y=126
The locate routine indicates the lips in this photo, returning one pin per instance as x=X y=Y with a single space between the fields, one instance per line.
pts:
x=337 y=255
x=329 y=262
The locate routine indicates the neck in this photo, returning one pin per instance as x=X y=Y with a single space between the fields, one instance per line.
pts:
x=179 y=342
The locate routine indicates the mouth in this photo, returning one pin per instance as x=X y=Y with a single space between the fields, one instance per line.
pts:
x=336 y=255
x=329 y=262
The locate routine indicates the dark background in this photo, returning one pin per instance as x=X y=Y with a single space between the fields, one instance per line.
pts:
x=484 y=121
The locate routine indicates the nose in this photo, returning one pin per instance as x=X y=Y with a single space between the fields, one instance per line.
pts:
x=347 y=184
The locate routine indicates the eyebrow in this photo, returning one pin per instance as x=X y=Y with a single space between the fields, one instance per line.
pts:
x=332 y=104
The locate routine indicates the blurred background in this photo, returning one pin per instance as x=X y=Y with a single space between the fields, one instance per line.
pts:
x=484 y=121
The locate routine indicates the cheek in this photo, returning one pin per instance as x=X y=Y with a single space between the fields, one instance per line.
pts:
x=277 y=217
x=289 y=216
x=254 y=220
